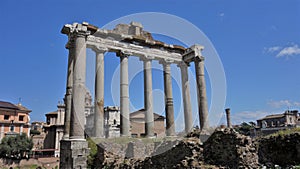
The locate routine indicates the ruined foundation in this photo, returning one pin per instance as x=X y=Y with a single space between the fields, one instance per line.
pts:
x=73 y=154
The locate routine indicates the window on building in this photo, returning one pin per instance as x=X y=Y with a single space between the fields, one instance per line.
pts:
x=12 y=128
x=21 y=118
x=115 y=121
x=6 y=117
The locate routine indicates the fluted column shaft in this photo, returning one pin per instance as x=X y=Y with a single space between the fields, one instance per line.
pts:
x=79 y=90
x=201 y=88
x=68 y=95
x=148 y=99
x=188 y=117
x=99 y=95
x=124 y=96
x=169 y=109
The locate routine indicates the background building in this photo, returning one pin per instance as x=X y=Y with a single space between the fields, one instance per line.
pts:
x=137 y=122
x=54 y=130
x=112 y=121
x=54 y=126
x=14 y=119
x=273 y=123
x=37 y=135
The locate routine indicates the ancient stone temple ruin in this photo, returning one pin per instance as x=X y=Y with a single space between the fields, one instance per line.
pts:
x=126 y=41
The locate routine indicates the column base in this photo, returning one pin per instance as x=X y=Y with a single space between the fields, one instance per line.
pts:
x=73 y=154
x=66 y=137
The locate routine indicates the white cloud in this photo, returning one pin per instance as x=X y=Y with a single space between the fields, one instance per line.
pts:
x=273 y=49
x=289 y=51
x=283 y=104
x=247 y=116
x=284 y=51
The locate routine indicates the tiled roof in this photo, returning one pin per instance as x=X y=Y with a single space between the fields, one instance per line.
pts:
x=273 y=116
x=8 y=105
x=52 y=113
x=21 y=107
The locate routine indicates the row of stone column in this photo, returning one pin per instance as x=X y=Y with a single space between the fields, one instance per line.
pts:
x=75 y=94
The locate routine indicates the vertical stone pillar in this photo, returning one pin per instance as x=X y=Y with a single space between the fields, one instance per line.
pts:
x=228 y=117
x=99 y=94
x=148 y=98
x=2 y=132
x=68 y=96
x=188 y=117
x=21 y=129
x=201 y=88
x=56 y=151
x=124 y=95
x=74 y=149
x=28 y=131
x=169 y=109
x=79 y=89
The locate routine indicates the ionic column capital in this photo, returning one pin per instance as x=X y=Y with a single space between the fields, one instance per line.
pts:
x=99 y=49
x=199 y=59
x=146 y=58
x=123 y=54
x=192 y=53
x=80 y=33
x=183 y=65
x=165 y=62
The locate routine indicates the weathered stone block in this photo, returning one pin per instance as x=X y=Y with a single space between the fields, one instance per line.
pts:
x=73 y=154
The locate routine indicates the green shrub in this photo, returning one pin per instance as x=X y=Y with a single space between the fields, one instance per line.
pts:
x=17 y=146
x=93 y=153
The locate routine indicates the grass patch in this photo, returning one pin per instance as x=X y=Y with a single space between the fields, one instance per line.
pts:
x=286 y=132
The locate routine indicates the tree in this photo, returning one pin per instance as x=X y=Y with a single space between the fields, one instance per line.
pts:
x=35 y=132
x=17 y=146
x=244 y=128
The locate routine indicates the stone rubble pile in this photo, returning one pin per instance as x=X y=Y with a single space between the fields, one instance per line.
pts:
x=185 y=154
x=279 y=150
x=227 y=148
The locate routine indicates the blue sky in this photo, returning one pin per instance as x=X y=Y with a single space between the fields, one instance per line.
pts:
x=257 y=41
